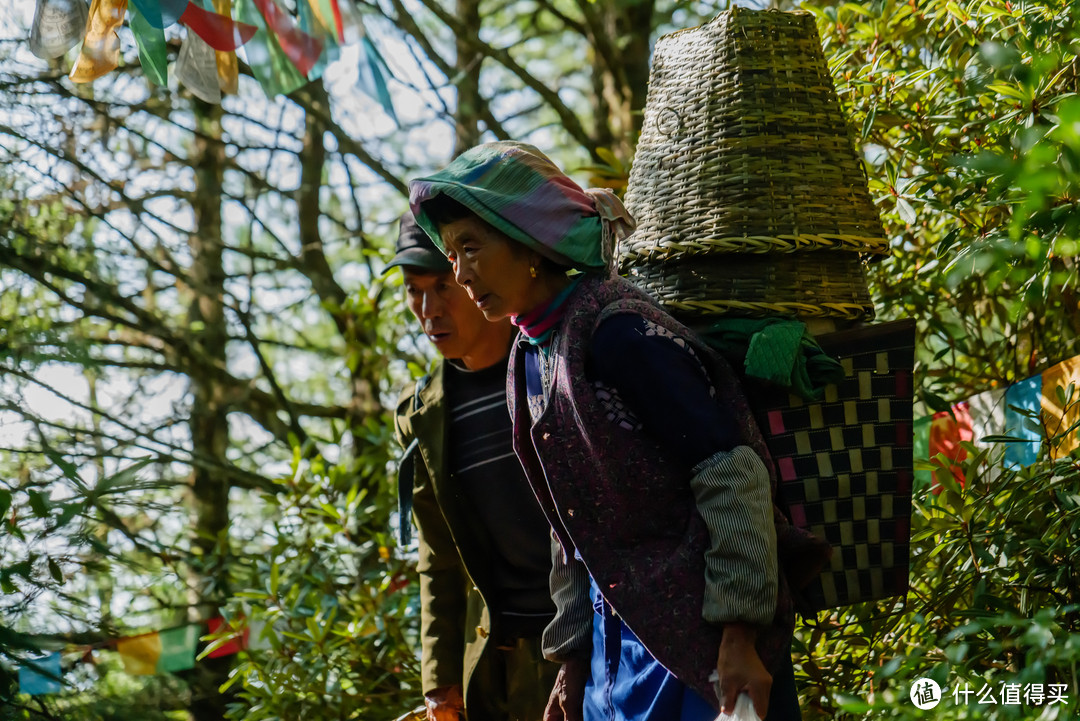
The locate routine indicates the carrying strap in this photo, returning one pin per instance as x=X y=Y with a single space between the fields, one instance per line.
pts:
x=407 y=475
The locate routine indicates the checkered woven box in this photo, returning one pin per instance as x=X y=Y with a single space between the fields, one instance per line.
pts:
x=844 y=464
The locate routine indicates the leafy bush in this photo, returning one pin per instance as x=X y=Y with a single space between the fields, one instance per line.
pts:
x=968 y=118
x=332 y=611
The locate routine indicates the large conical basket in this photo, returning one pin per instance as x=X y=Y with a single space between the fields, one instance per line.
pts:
x=748 y=191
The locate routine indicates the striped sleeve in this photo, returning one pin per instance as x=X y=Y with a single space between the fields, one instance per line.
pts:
x=732 y=494
x=570 y=632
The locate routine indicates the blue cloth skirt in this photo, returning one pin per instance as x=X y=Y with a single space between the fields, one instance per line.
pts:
x=627 y=684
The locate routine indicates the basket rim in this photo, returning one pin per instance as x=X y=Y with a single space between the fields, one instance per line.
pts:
x=753 y=244
x=847 y=311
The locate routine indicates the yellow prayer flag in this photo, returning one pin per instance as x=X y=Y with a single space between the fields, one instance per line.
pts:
x=323 y=15
x=1057 y=417
x=227 y=68
x=140 y=654
x=100 y=52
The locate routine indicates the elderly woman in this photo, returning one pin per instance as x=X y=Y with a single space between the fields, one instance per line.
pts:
x=639 y=445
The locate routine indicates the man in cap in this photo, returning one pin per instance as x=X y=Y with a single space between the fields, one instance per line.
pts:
x=484 y=545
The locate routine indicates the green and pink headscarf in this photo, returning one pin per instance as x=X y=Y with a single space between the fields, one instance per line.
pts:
x=517 y=190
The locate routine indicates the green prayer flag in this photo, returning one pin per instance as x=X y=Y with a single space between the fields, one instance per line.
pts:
x=327 y=11
x=372 y=80
x=151 y=41
x=271 y=67
x=311 y=25
x=178 y=648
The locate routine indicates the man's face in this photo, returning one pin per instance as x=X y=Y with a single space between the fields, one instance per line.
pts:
x=447 y=315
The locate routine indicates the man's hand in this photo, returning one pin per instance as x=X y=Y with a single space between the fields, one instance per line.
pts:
x=739 y=669
x=567 y=699
x=444 y=704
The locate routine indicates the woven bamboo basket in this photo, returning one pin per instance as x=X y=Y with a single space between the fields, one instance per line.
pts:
x=745 y=171
x=823 y=284
x=844 y=463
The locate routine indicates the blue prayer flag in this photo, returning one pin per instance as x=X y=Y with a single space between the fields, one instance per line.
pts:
x=1019 y=397
x=40 y=676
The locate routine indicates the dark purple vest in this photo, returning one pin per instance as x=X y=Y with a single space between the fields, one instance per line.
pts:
x=612 y=494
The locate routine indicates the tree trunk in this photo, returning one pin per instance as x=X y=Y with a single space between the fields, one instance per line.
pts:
x=208 y=424
x=622 y=70
x=467 y=65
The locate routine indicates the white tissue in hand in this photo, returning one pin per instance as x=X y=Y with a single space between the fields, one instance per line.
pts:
x=744 y=710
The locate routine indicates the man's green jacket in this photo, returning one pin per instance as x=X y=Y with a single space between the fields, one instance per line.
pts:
x=454 y=564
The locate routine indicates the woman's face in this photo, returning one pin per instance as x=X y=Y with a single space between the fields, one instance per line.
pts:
x=491 y=267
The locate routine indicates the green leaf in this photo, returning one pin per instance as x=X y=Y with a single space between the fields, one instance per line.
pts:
x=907 y=213
x=38 y=503
x=69 y=511
x=123 y=479
x=935 y=402
x=66 y=467
x=55 y=572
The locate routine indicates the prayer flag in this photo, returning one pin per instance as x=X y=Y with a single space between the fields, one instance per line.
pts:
x=987 y=411
x=1061 y=413
x=140 y=653
x=178 y=648
x=58 y=26
x=227 y=68
x=947 y=430
x=275 y=73
x=161 y=13
x=1020 y=397
x=101 y=47
x=371 y=80
x=920 y=450
x=258 y=635
x=310 y=24
x=40 y=676
x=219 y=31
x=302 y=49
x=196 y=68
x=328 y=14
x=153 y=55
x=233 y=646
x=987 y=414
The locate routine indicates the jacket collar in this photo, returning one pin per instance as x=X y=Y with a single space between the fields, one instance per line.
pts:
x=429 y=390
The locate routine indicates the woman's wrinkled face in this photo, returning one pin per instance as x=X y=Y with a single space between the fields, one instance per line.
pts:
x=491 y=267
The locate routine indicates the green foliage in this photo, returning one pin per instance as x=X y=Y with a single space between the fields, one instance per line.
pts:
x=967 y=115
x=994 y=600
x=332 y=606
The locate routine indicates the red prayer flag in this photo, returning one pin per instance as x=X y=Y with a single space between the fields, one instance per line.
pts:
x=218 y=31
x=946 y=433
x=301 y=49
x=338 y=24
x=233 y=646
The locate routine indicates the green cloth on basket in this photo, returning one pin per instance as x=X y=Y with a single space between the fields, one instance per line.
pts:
x=778 y=351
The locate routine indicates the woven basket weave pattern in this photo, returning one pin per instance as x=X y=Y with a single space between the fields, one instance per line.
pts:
x=761 y=148
x=826 y=283
x=845 y=464
x=745 y=150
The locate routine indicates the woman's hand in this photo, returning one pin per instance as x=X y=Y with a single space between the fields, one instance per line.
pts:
x=567 y=698
x=444 y=704
x=739 y=669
